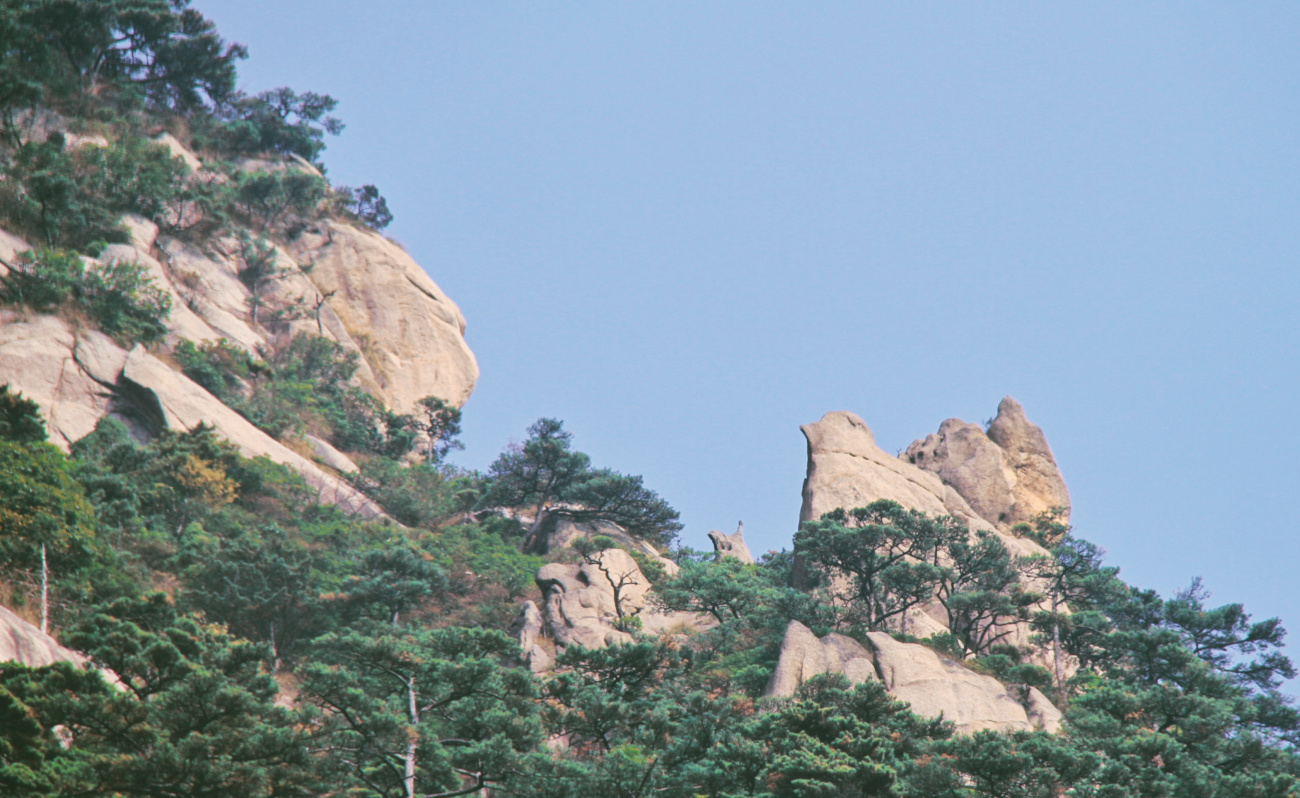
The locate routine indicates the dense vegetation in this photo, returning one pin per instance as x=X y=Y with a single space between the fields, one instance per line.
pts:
x=260 y=643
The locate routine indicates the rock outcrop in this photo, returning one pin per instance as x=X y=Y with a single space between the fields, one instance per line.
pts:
x=79 y=376
x=556 y=532
x=804 y=656
x=530 y=632
x=584 y=604
x=934 y=686
x=987 y=481
x=411 y=333
x=732 y=545
x=335 y=280
x=847 y=469
x=24 y=643
x=1007 y=475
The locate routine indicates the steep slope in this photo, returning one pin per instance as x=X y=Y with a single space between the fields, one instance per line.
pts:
x=333 y=279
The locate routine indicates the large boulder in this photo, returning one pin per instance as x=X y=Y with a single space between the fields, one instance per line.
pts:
x=583 y=603
x=1007 y=474
x=804 y=656
x=67 y=371
x=412 y=334
x=934 y=686
x=847 y=469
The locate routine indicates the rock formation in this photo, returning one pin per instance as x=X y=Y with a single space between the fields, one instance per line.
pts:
x=590 y=604
x=584 y=602
x=24 y=643
x=934 y=686
x=335 y=280
x=732 y=545
x=410 y=332
x=989 y=481
x=556 y=532
x=1007 y=475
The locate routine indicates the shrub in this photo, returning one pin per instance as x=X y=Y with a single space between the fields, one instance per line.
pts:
x=120 y=296
x=366 y=205
x=273 y=196
x=74 y=198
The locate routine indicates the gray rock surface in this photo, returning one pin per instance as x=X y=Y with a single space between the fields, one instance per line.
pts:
x=732 y=545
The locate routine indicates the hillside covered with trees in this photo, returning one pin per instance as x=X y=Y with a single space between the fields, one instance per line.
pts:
x=248 y=634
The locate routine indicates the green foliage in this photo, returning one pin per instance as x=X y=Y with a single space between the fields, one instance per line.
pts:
x=366 y=205
x=302 y=386
x=74 y=198
x=274 y=197
x=62 y=52
x=439 y=422
x=545 y=472
x=20 y=419
x=279 y=121
x=893 y=560
x=41 y=504
x=120 y=297
x=435 y=706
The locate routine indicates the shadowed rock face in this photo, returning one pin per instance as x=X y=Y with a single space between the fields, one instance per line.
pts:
x=732 y=545
x=934 y=686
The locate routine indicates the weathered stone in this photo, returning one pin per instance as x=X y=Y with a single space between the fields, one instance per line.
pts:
x=581 y=606
x=1039 y=486
x=1042 y=713
x=804 y=656
x=529 y=631
x=182 y=322
x=179 y=150
x=939 y=687
x=1007 y=475
x=847 y=469
x=328 y=455
x=39 y=356
x=412 y=334
x=25 y=643
x=732 y=545
x=181 y=404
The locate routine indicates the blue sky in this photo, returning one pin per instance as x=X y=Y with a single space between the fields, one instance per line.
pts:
x=686 y=229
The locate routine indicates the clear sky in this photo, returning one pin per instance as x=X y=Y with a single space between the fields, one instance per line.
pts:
x=688 y=228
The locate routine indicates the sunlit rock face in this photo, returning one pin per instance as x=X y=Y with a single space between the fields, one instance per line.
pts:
x=934 y=686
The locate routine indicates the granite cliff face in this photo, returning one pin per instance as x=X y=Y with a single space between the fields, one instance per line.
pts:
x=331 y=279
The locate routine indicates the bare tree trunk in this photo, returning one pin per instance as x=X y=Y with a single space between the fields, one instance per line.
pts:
x=45 y=592
x=413 y=740
x=1056 y=645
